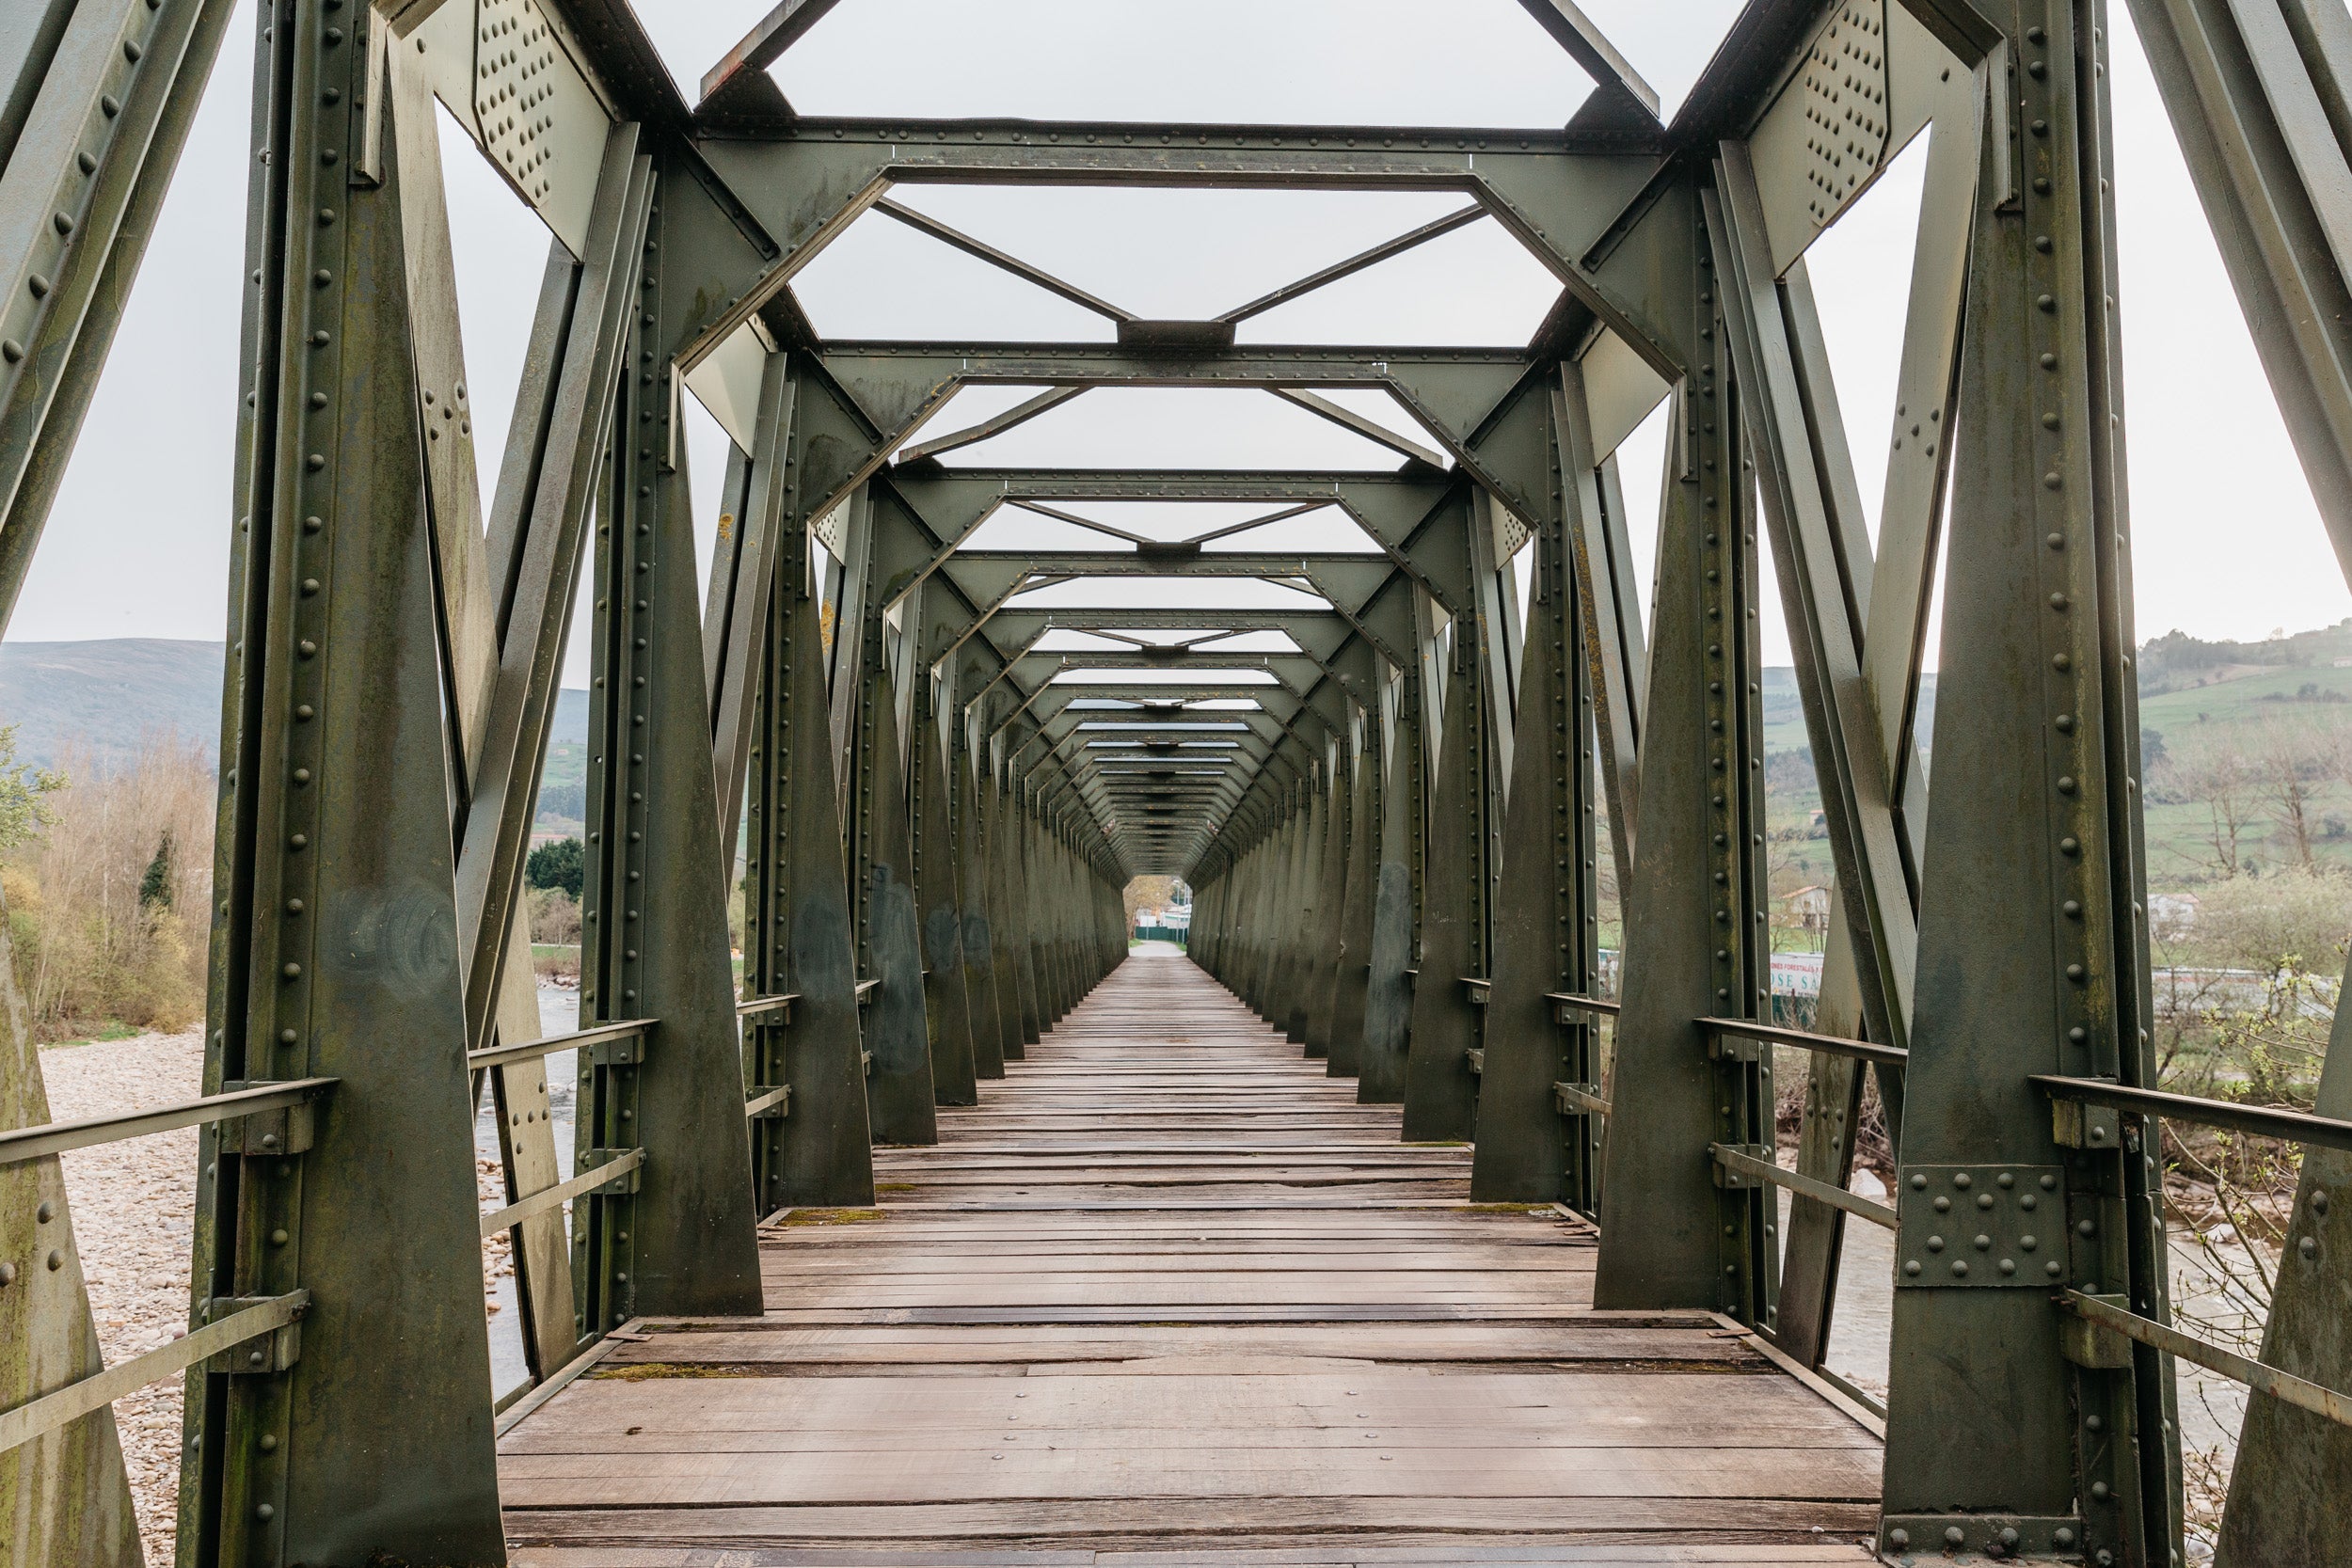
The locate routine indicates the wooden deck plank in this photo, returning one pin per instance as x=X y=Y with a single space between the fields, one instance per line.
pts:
x=1168 y=1295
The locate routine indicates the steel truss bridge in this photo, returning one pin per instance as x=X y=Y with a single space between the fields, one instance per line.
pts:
x=1393 y=827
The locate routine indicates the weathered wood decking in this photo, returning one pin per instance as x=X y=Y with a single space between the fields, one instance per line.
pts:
x=1170 y=1294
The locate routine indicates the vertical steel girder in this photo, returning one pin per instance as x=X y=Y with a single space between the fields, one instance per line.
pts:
x=1547 y=933
x=798 y=938
x=1324 y=927
x=1389 y=989
x=1440 y=1094
x=2037 y=816
x=947 y=996
x=655 y=940
x=335 y=948
x=1351 y=967
x=1673 y=1233
x=976 y=901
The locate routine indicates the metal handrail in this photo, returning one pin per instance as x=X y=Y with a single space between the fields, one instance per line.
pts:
x=1590 y=1003
x=524 y=1051
x=2263 y=1120
x=2258 y=1375
x=520 y=1209
x=1832 y=1045
x=864 y=989
x=1573 y=1099
x=55 y=1137
x=759 y=1005
x=1796 y=1181
x=77 y=1399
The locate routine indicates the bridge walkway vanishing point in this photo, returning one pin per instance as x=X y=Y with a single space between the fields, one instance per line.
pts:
x=1170 y=1290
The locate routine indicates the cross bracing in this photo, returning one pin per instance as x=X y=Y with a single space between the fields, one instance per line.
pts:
x=1385 y=719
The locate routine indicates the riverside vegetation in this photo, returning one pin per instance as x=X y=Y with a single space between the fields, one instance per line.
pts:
x=107 y=872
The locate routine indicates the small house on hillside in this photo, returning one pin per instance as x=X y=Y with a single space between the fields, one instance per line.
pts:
x=1809 y=906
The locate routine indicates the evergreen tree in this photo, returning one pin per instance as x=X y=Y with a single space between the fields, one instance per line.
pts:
x=558 y=863
x=155 y=887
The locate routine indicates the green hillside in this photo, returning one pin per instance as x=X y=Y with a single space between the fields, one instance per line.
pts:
x=2250 y=732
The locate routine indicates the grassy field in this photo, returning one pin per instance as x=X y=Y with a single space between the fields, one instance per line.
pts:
x=2272 y=704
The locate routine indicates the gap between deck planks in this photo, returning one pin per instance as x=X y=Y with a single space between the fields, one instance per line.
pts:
x=1168 y=1295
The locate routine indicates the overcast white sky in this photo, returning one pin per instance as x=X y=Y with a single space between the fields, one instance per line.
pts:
x=2227 y=540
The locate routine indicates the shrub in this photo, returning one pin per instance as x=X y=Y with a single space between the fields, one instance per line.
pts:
x=2291 y=919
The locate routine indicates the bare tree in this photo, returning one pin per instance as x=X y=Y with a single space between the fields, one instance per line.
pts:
x=2291 y=757
x=2212 y=769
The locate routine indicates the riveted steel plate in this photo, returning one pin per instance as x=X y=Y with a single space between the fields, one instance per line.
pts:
x=1870 y=79
x=1999 y=1536
x=507 y=70
x=1980 y=1227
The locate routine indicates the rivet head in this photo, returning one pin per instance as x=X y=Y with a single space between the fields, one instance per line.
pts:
x=1954 y=1535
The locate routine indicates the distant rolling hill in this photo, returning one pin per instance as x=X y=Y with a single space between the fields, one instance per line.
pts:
x=105 y=697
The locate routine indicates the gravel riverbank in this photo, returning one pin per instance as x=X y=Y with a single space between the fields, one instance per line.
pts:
x=134 y=1206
